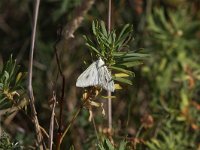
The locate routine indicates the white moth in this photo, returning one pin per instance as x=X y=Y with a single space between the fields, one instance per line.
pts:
x=96 y=74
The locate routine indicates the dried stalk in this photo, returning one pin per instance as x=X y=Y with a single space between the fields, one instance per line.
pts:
x=30 y=74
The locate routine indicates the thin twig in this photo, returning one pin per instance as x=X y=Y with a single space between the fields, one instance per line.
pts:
x=109 y=93
x=109 y=15
x=51 y=128
x=61 y=101
x=63 y=84
x=30 y=88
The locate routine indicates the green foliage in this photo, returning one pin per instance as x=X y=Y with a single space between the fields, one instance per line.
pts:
x=10 y=84
x=171 y=71
x=114 y=50
x=6 y=144
x=107 y=145
x=174 y=28
x=174 y=76
x=171 y=36
x=171 y=138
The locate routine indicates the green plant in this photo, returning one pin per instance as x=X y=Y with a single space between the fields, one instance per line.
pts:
x=6 y=144
x=114 y=50
x=172 y=38
x=172 y=138
x=11 y=87
x=174 y=71
x=107 y=145
x=174 y=76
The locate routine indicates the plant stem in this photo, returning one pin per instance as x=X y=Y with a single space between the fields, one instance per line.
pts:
x=51 y=128
x=109 y=93
x=109 y=110
x=30 y=74
x=63 y=88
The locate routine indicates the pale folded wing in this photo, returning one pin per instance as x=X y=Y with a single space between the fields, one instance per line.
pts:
x=90 y=77
x=105 y=77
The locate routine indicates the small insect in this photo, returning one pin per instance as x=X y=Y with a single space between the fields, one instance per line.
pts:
x=96 y=74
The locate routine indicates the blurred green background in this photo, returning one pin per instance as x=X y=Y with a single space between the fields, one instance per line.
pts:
x=161 y=111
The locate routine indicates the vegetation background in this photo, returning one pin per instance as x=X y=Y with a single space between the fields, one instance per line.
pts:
x=161 y=111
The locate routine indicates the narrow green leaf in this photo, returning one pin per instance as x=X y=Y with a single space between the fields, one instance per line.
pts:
x=103 y=28
x=130 y=64
x=123 y=41
x=6 y=75
x=104 y=40
x=94 y=27
x=128 y=59
x=19 y=76
x=123 y=80
x=93 y=48
x=132 y=74
x=123 y=30
x=130 y=54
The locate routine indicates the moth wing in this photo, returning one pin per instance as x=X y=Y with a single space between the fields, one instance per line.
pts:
x=105 y=79
x=89 y=77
